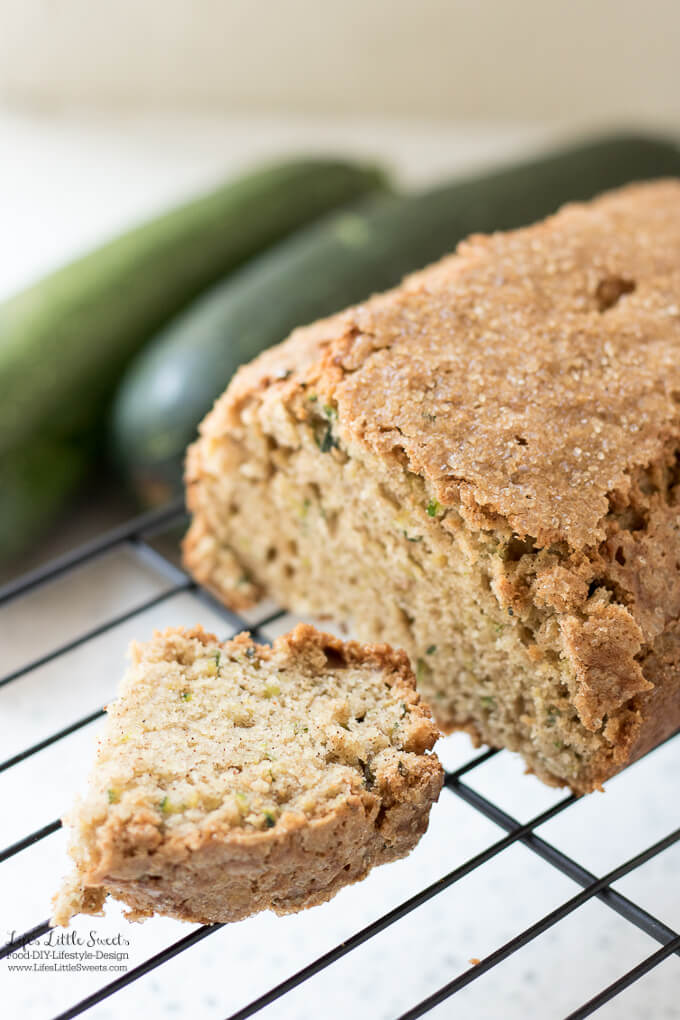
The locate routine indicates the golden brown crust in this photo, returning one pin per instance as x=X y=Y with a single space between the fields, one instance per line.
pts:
x=532 y=381
x=213 y=868
x=498 y=374
x=220 y=876
x=658 y=710
x=603 y=648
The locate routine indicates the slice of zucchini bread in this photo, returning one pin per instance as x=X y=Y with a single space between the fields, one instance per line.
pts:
x=235 y=777
x=481 y=467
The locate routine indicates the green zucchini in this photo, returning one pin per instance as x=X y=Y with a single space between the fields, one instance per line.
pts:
x=34 y=481
x=65 y=341
x=336 y=262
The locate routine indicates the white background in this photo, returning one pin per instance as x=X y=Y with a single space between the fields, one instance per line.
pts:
x=571 y=60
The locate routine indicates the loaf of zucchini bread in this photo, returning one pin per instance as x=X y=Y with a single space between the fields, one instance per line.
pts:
x=481 y=467
x=233 y=777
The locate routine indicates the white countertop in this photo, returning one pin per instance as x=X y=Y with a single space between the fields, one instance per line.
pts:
x=67 y=185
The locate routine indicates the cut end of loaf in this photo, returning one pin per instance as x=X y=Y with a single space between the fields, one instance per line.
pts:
x=233 y=777
x=481 y=467
x=371 y=546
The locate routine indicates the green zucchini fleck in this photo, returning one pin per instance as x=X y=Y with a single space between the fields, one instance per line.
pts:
x=327 y=441
x=423 y=671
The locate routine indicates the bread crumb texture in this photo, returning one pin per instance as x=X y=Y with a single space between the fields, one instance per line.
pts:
x=235 y=777
x=481 y=467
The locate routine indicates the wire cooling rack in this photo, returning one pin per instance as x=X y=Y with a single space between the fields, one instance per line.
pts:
x=138 y=535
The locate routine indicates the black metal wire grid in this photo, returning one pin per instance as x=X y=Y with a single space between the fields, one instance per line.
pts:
x=139 y=533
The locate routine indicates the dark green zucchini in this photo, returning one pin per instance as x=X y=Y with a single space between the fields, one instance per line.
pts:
x=65 y=341
x=34 y=481
x=336 y=262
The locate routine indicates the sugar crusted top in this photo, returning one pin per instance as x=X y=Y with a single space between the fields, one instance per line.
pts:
x=525 y=377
